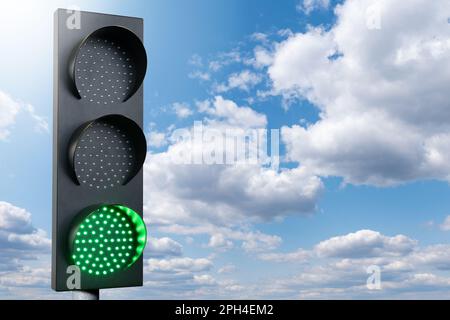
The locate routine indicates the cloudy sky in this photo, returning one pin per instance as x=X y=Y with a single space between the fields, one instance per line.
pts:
x=359 y=92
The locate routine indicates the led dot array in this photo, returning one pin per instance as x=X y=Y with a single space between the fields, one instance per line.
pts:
x=105 y=71
x=110 y=239
x=105 y=156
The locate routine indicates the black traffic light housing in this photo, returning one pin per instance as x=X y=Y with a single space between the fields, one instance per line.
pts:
x=98 y=151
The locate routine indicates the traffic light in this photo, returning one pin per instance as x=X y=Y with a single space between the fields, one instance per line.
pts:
x=99 y=149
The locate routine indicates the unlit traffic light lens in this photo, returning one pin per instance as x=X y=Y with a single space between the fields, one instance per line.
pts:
x=107 y=152
x=109 y=66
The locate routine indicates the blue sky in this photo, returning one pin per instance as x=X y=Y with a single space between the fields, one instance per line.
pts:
x=365 y=147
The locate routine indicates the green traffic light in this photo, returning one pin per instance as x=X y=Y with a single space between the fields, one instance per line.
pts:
x=109 y=240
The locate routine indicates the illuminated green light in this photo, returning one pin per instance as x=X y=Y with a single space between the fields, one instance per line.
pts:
x=101 y=239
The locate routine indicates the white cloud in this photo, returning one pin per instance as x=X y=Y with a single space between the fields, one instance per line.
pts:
x=37 y=239
x=219 y=241
x=437 y=256
x=17 y=234
x=14 y=219
x=365 y=243
x=9 y=109
x=299 y=255
x=26 y=277
x=445 y=226
x=223 y=194
x=336 y=268
x=175 y=278
x=225 y=59
x=178 y=265
x=308 y=6
x=259 y=242
x=41 y=123
x=244 y=80
x=229 y=268
x=196 y=60
x=156 y=139
x=285 y=32
x=260 y=37
x=263 y=57
x=219 y=201
x=182 y=110
x=229 y=113
x=203 y=76
x=162 y=247
x=24 y=255
x=251 y=241
x=426 y=279
x=380 y=123
x=205 y=279
x=408 y=274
